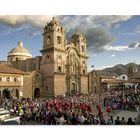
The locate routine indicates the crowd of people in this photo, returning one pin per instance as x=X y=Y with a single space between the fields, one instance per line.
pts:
x=70 y=110
x=124 y=100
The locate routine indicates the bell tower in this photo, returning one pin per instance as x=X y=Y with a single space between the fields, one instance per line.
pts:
x=53 y=58
x=79 y=42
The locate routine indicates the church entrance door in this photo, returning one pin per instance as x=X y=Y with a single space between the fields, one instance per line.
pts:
x=17 y=93
x=6 y=93
x=36 y=93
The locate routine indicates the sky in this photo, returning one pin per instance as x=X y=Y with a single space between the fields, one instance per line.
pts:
x=111 y=39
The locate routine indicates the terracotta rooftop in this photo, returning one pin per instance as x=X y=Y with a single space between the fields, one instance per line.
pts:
x=9 y=70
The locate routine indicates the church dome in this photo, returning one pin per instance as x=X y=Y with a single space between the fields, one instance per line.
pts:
x=20 y=52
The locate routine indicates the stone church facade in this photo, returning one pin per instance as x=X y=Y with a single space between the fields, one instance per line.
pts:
x=61 y=69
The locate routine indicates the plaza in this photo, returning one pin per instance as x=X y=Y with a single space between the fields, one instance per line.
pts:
x=56 y=88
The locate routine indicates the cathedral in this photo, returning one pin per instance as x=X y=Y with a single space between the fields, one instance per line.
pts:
x=62 y=67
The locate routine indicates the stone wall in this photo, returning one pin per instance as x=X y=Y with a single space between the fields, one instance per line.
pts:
x=84 y=84
x=27 y=86
x=59 y=84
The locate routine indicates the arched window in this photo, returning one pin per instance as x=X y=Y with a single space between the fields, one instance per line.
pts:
x=48 y=40
x=123 y=77
x=83 y=62
x=34 y=66
x=58 y=39
x=59 y=56
x=82 y=48
x=84 y=72
x=59 y=69
x=15 y=79
x=8 y=79
x=16 y=58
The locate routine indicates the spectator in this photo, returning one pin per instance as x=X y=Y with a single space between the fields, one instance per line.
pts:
x=123 y=122
x=117 y=121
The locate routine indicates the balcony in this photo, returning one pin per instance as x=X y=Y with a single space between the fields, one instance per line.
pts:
x=9 y=84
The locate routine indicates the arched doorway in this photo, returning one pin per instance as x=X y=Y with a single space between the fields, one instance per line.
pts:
x=17 y=93
x=73 y=88
x=6 y=94
x=36 y=93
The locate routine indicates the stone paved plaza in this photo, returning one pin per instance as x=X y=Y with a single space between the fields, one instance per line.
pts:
x=121 y=113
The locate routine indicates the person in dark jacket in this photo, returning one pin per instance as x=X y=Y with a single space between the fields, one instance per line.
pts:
x=130 y=121
x=117 y=121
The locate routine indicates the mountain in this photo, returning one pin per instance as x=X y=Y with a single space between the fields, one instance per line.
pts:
x=118 y=69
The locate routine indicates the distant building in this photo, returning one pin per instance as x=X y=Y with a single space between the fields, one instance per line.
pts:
x=122 y=77
x=11 y=81
x=94 y=82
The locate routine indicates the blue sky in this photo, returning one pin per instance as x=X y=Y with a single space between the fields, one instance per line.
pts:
x=110 y=39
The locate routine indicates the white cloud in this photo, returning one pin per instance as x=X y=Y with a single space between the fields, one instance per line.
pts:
x=113 y=55
x=122 y=48
x=96 y=25
x=82 y=21
x=117 y=25
x=115 y=48
x=85 y=21
x=103 y=67
x=37 y=21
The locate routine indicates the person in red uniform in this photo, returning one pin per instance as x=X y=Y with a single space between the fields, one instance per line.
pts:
x=89 y=110
x=100 y=113
x=108 y=110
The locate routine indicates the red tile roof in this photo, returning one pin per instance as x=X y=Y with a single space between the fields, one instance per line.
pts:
x=9 y=70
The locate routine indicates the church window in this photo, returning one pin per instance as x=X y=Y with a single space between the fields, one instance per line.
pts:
x=34 y=66
x=15 y=79
x=39 y=66
x=48 y=56
x=8 y=79
x=48 y=39
x=84 y=72
x=16 y=58
x=58 y=39
x=82 y=48
x=83 y=62
x=59 y=69
x=59 y=57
